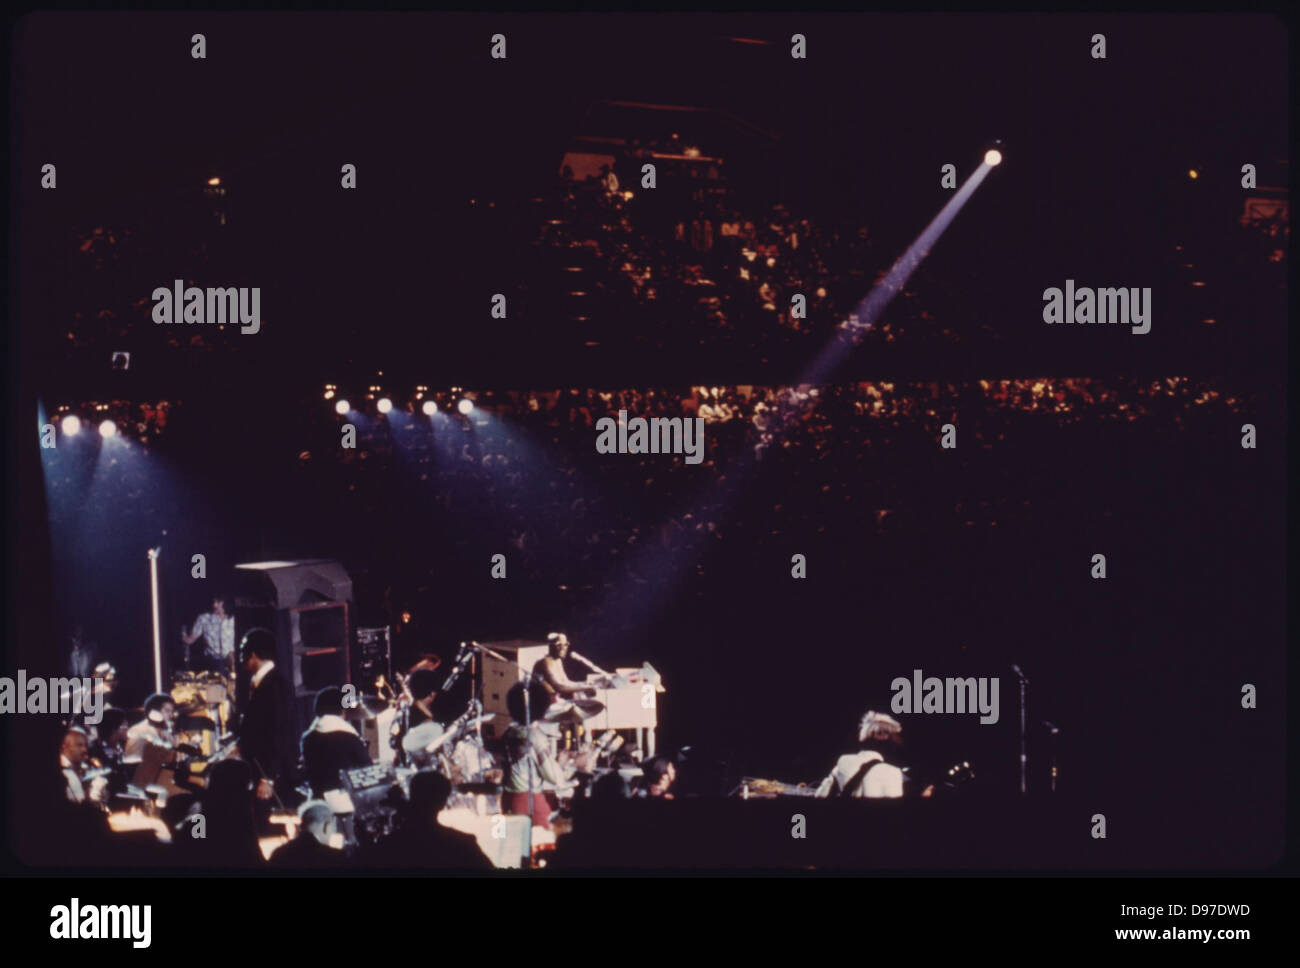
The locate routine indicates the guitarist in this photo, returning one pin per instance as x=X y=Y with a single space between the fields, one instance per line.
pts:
x=867 y=773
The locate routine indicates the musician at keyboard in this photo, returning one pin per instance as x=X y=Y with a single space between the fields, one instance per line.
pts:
x=551 y=674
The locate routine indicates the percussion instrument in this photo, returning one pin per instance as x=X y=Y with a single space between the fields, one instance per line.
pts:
x=573 y=711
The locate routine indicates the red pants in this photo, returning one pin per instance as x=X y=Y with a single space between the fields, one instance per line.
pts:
x=517 y=803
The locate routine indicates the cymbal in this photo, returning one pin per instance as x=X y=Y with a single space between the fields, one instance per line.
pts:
x=421 y=736
x=575 y=711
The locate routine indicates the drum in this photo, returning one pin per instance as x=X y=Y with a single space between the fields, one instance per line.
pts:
x=470 y=762
x=415 y=741
x=384 y=729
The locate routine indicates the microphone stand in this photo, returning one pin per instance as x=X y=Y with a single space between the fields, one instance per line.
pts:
x=528 y=752
x=1024 y=759
x=157 y=632
x=528 y=738
x=1054 y=731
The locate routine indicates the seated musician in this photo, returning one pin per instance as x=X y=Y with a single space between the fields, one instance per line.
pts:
x=550 y=671
x=72 y=760
x=155 y=728
x=331 y=744
x=658 y=774
x=109 y=745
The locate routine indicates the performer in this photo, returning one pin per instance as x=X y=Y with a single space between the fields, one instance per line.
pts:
x=331 y=744
x=72 y=759
x=217 y=629
x=658 y=774
x=105 y=676
x=423 y=686
x=109 y=746
x=155 y=728
x=550 y=671
x=266 y=737
x=529 y=764
x=866 y=773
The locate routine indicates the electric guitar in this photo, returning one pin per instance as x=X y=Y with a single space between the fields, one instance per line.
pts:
x=956 y=776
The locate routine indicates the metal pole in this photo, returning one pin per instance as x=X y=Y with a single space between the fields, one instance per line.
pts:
x=528 y=752
x=1024 y=759
x=157 y=632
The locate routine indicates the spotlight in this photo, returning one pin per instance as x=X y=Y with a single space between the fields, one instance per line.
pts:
x=385 y=405
x=71 y=425
x=329 y=394
x=429 y=408
x=1193 y=174
x=992 y=157
x=107 y=429
x=342 y=407
x=465 y=406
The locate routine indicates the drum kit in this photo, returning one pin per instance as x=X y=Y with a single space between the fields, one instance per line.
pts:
x=203 y=709
x=458 y=751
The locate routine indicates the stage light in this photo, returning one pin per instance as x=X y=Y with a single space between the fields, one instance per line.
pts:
x=1193 y=174
x=214 y=182
x=71 y=425
x=342 y=407
x=107 y=429
x=385 y=405
x=992 y=157
x=329 y=394
x=429 y=408
x=465 y=406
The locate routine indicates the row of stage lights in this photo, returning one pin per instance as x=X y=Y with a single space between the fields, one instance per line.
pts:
x=385 y=404
x=71 y=426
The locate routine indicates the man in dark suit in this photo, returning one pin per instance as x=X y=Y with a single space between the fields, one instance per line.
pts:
x=330 y=744
x=266 y=731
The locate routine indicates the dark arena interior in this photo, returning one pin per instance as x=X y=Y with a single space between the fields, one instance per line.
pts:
x=903 y=470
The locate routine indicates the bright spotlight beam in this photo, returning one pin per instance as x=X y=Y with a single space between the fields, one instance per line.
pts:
x=385 y=405
x=429 y=408
x=869 y=311
x=107 y=428
x=342 y=407
x=465 y=406
x=71 y=425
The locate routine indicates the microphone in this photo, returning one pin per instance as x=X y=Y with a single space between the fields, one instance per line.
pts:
x=588 y=663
